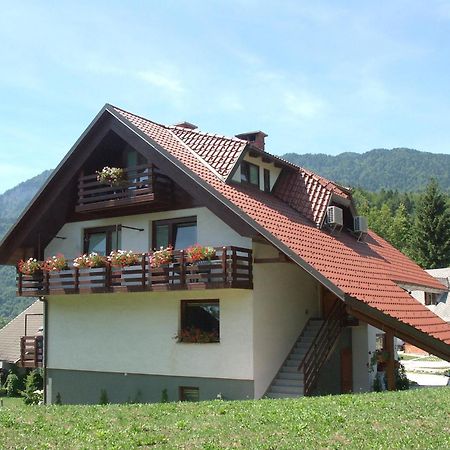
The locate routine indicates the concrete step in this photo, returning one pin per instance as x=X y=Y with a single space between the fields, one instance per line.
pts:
x=292 y=369
x=299 y=354
x=287 y=389
x=281 y=395
x=287 y=382
x=282 y=375
x=292 y=362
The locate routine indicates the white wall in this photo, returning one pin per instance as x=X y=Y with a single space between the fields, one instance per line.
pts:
x=274 y=171
x=363 y=346
x=210 y=231
x=133 y=333
x=419 y=295
x=285 y=297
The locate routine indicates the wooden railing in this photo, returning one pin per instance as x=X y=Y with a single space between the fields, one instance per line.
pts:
x=231 y=267
x=141 y=184
x=321 y=347
x=31 y=351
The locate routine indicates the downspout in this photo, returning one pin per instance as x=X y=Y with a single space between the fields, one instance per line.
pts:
x=44 y=353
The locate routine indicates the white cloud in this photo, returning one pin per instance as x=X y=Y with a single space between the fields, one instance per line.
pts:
x=303 y=104
x=162 y=80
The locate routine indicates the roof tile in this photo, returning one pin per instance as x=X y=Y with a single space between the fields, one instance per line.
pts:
x=367 y=271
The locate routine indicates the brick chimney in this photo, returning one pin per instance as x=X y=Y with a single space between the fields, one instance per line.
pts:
x=189 y=126
x=254 y=137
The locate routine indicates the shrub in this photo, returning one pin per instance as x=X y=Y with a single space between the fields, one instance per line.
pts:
x=58 y=400
x=103 y=397
x=34 y=384
x=164 y=396
x=401 y=380
x=12 y=385
x=377 y=385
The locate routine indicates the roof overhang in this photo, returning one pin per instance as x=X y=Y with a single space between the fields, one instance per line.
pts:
x=406 y=332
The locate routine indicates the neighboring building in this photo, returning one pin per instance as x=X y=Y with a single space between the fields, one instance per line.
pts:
x=24 y=330
x=289 y=304
x=438 y=302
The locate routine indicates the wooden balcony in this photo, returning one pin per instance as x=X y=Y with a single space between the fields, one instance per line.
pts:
x=230 y=268
x=142 y=184
x=31 y=351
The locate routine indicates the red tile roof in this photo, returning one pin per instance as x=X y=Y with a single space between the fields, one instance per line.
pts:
x=220 y=152
x=367 y=271
x=305 y=193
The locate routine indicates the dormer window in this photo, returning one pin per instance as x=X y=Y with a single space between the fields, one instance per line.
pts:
x=250 y=173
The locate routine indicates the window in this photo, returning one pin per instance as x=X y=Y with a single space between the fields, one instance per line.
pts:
x=266 y=180
x=249 y=173
x=200 y=321
x=189 y=394
x=178 y=233
x=430 y=298
x=102 y=240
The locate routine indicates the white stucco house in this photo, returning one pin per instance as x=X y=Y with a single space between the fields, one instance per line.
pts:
x=286 y=304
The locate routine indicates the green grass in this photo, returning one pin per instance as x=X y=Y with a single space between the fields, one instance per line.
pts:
x=415 y=419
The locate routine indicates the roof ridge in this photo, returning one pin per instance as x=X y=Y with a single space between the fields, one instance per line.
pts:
x=195 y=154
x=136 y=115
x=325 y=181
x=206 y=133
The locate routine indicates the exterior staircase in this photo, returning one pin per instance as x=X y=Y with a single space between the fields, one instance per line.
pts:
x=289 y=381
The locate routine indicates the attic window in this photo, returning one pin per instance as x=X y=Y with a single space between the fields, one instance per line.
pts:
x=249 y=173
x=430 y=298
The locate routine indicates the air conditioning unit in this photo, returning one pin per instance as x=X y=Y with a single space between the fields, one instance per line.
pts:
x=335 y=217
x=360 y=224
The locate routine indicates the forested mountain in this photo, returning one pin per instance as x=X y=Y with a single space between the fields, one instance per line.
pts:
x=12 y=203
x=401 y=169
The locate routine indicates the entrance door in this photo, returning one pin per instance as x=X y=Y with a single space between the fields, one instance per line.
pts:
x=346 y=370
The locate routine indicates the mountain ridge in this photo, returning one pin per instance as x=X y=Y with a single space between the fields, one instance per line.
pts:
x=402 y=169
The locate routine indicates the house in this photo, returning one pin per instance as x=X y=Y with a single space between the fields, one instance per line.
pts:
x=288 y=303
x=439 y=302
x=21 y=339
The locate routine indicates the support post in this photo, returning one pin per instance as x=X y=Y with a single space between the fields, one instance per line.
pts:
x=143 y=273
x=390 y=366
x=182 y=268
x=224 y=266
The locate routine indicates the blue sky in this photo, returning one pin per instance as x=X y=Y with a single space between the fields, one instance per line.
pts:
x=316 y=76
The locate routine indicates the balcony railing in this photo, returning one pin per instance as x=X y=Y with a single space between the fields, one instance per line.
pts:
x=231 y=267
x=142 y=184
x=31 y=351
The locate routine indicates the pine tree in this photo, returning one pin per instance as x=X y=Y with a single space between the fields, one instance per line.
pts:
x=432 y=229
x=400 y=230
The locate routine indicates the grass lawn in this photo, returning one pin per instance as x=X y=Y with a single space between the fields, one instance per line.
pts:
x=418 y=419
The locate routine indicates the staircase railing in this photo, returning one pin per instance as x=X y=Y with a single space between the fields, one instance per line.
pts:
x=321 y=347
